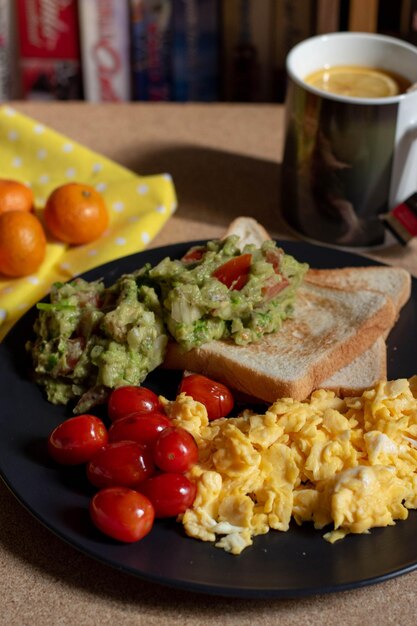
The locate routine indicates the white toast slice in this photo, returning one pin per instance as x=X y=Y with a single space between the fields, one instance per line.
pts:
x=395 y=282
x=329 y=329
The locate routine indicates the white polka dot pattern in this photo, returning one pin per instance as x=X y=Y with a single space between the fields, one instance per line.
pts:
x=44 y=159
x=142 y=189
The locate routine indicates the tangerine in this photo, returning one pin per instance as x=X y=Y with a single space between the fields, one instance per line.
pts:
x=76 y=213
x=22 y=243
x=15 y=196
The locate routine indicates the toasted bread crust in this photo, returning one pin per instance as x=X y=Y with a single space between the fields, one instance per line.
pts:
x=249 y=230
x=391 y=280
x=365 y=371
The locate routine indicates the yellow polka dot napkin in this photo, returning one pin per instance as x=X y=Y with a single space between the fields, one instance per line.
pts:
x=43 y=159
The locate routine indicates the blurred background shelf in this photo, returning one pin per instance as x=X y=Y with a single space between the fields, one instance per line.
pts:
x=172 y=50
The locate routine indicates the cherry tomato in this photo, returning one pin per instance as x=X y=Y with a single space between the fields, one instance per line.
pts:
x=126 y=400
x=170 y=494
x=122 y=513
x=234 y=273
x=175 y=450
x=194 y=254
x=123 y=463
x=216 y=397
x=77 y=439
x=272 y=289
x=274 y=256
x=143 y=428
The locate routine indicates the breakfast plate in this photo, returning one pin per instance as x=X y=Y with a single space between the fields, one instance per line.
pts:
x=280 y=564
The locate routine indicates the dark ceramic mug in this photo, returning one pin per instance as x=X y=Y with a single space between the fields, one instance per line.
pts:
x=348 y=160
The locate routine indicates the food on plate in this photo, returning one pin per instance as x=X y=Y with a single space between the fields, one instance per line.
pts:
x=91 y=338
x=170 y=493
x=22 y=243
x=122 y=513
x=135 y=455
x=76 y=213
x=394 y=281
x=329 y=328
x=222 y=290
x=77 y=440
x=120 y=464
x=347 y=462
x=238 y=310
x=371 y=365
x=15 y=196
x=143 y=428
x=217 y=398
x=335 y=338
x=126 y=400
x=175 y=450
x=367 y=369
x=337 y=445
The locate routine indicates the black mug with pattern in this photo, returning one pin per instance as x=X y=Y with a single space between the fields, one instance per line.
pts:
x=348 y=159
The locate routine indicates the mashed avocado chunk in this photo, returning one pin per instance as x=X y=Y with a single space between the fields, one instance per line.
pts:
x=219 y=291
x=90 y=339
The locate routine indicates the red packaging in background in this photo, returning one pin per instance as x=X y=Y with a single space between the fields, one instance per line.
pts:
x=49 y=49
x=105 y=47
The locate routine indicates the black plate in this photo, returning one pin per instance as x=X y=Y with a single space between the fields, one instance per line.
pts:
x=295 y=563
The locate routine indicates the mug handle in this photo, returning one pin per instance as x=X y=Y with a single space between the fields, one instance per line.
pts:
x=404 y=169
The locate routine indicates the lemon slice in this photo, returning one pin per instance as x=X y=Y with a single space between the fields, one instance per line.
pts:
x=355 y=82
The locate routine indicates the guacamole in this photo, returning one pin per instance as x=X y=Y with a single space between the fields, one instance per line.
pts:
x=91 y=338
x=218 y=291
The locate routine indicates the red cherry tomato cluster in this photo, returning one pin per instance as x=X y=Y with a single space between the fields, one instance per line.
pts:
x=139 y=463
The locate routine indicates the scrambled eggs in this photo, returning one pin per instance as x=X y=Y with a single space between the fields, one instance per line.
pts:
x=350 y=462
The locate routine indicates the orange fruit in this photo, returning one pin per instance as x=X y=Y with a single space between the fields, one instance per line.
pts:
x=15 y=196
x=76 y=213
x=22 y=243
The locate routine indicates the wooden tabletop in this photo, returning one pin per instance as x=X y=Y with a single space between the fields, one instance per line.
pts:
x=225 y=162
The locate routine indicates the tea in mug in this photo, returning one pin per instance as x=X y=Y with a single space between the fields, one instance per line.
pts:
x=357 y=81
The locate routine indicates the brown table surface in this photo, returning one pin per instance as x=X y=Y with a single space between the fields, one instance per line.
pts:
x=225 y=162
